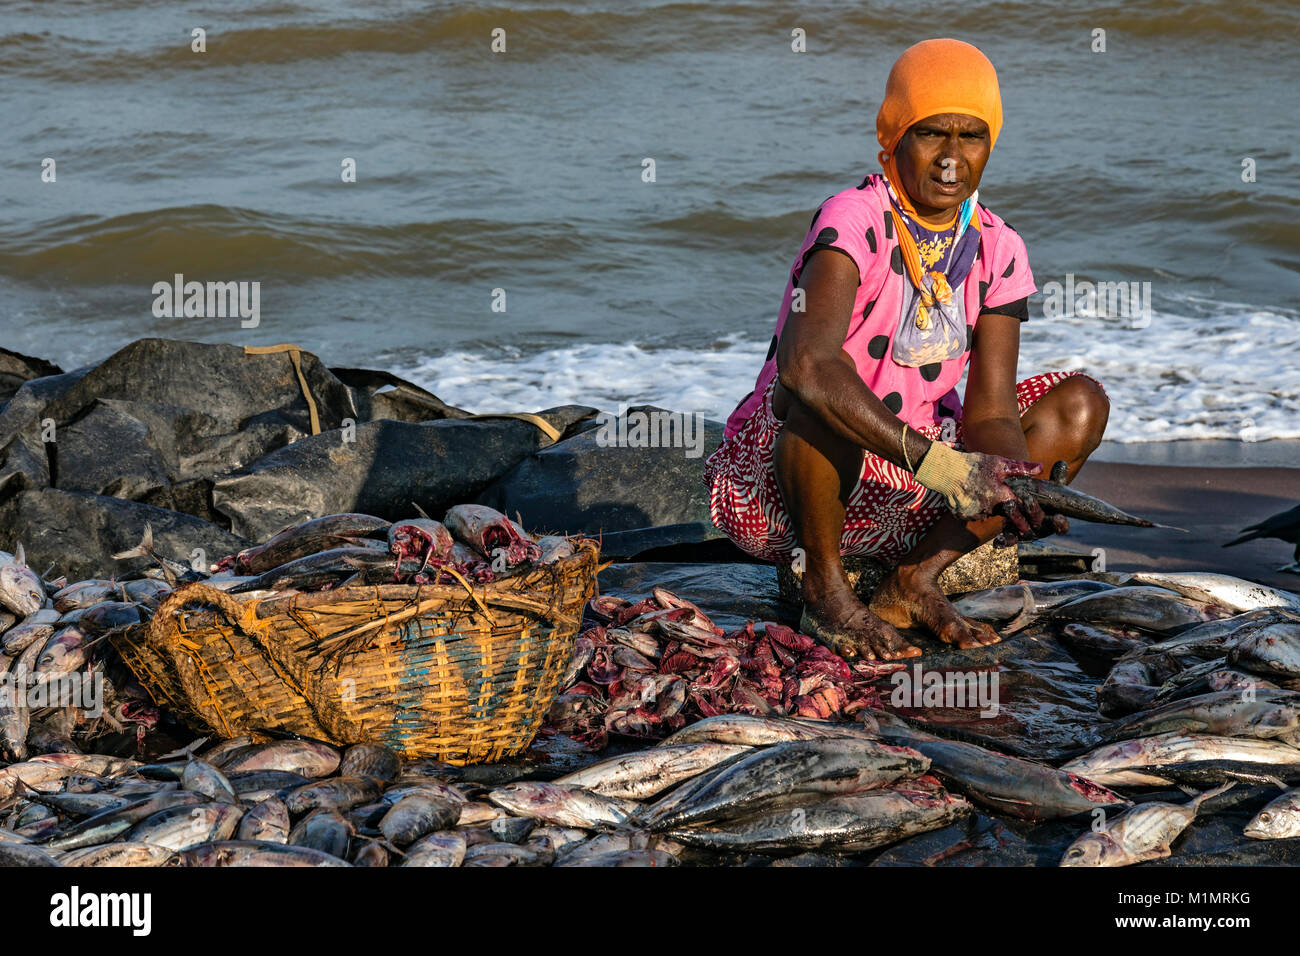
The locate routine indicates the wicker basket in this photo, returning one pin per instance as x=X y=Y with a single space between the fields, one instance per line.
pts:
x=459 y=672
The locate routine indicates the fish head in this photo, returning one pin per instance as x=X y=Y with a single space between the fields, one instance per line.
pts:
x=1094 y=849
x=62 y=654
x=21 y=590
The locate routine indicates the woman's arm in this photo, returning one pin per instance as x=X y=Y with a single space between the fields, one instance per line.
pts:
x=811 y=365
x=990 y=415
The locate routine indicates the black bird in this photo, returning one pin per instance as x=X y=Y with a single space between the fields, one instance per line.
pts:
x=1284 y=527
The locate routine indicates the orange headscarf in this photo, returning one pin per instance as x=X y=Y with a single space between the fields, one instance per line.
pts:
x=935 y=76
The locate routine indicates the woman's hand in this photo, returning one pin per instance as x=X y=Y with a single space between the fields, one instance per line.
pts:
x=974 y=485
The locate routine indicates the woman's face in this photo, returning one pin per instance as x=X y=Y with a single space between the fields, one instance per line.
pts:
x=940 y=160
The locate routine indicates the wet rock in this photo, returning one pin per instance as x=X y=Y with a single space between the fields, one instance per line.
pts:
x=585 y=483
x=382 y=394
x=17 y=369
x=380 y=468
x=78 y=533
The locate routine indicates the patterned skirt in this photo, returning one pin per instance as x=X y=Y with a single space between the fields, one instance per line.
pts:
x=888 y=512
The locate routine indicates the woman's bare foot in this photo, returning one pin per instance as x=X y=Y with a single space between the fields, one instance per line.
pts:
x=908 y=599
x=845 y=625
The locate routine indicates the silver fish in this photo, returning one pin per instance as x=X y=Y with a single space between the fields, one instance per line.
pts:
x=855 y=822
x=776 y=774
x=445 y=848
x=1145 y=832
x=644 y=773
x=268 y=822
x=1235 y=594
x=179 y=828
x=1173 y=757
x=244 y=853
x=1277 y=821
x=563 y=806
x=21 y=590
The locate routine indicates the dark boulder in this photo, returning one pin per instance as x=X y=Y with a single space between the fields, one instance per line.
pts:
x=381 y=468
x=77 y=533
x=594 y=481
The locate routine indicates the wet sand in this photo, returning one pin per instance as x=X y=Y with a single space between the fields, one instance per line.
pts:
x=1213 y=502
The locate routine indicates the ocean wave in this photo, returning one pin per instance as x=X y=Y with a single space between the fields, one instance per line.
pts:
x=635 y=30
x=1214 y=370
x=235 y=242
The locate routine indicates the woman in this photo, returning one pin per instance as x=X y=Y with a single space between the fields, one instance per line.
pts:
x=854 y=439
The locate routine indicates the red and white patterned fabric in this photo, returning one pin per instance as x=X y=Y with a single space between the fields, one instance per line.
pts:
x=887 y=514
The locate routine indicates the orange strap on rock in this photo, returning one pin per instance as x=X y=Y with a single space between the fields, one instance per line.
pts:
x=550 y=430
x=295 y=354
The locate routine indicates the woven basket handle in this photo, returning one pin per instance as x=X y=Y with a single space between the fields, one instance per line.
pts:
x=163 y=629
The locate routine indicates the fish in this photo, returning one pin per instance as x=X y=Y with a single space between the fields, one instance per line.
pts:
x=1235 y=594
x=76 y=804
x=1060 y=499
x=175 y=572
x=553 y=547
x=1143 y=833
x=21 y=589
x=199 y=776
x=147 y=592
x=65 y=652
x=369 y=853
x=420 y=539
x=849 y=822
x=245 y=853
x=1277 y=821
x=1177 y=757
x=19 y=854
x=1208 y=640
x=181 y=827
x=1107 y=643
x=109 y=824
x=754 y=731
x=645 y=773
x=83 y=594
x=324 y=830
x=334 y=793
x=1152 y=609
x=254 y=786
x=118 y=854
x=268 y=822
x=1010 y=785
x=1272 y=649
x=445 y=848
x=37 y=626
x=370 y=760
x=301 y=540
x=305 y=757
x=109 y=616
x=15 y=715
x=782 y=772
x=486 y=530
x=1134 y=683
x=323 y=567
x=627 y=858
x=1266 y=714
x=1003 y=603
x=500 y=854
x=563 y=806
x=417 y=815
